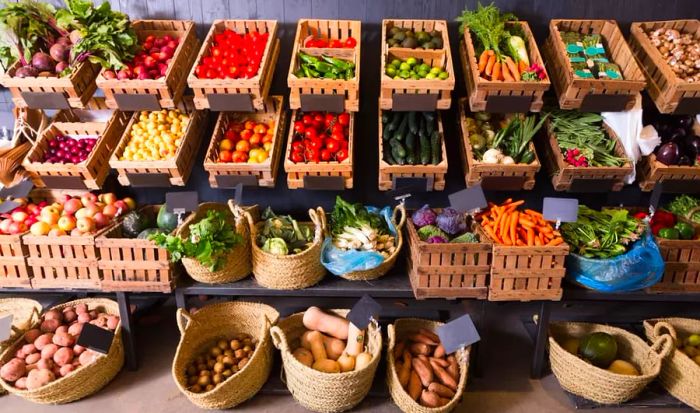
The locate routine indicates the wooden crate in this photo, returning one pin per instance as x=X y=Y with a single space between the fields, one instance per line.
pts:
x=675 y=177
x=129 y=264
x=52 y=92
x=669 y=92
x=167 y=91
x=526 y=273
x=333 y=29
x=447 y=270
x=437 y=57
x=65 y=261
x=491 y=96
x=566 y=177
x=256 y=88
x=89 y=174
x=682 y=270
x=297 y=171
x=435 y=173
x=494 y=176
x=176 y=170
x=14 y=271
x=593 y=95
x=228 y=175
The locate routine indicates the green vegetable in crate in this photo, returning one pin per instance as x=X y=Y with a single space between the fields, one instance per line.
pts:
x=467 y=237
x=428 y=231
x=353 y=227
x=283 y=228
x=134 y=222
x=146 y=233
x=510 y=144
x=415 y=69
x=669 y=233
x=325 y=67
x=683 y=204
x=411 y=138
x=602 y=234
x=209 y=239
x=411 y=39
x=167 y=221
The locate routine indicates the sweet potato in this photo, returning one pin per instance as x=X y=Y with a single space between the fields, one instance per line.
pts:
x=441 y=362
x=63 y=356
x=32 y=335
x=48 y=351
x=424 y=371
x=53 y=315
x=39 y=378
x=63 y=340
x=429 y=334
x=420 y=348
x=75 y=329
x=13 y=370
x=429 y=399
x=453 y=369
x=421 y=338
x=43 y=340
x=439 y=352
x=49 y=326
x=443 y=376
x=441 y=390
x=404 y=373
x=304 y=356
x=326 y=366
x=415 y=387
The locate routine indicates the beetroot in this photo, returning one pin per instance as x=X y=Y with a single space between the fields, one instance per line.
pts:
x=26 y=71
x=60 y=67
x=59 y=52
x=42 y=62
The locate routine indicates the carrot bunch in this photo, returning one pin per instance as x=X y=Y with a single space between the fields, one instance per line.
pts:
x=500 y=68
x=506 y=225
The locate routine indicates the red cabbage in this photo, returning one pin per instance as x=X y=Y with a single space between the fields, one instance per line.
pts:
x=424 y=216
x=437 y=240
x=451 y=221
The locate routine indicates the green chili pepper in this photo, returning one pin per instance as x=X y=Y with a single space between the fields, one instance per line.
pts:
x=312 y=60
x=341 y=64
x=323 y=67
x=669 y=233
x=685 y=230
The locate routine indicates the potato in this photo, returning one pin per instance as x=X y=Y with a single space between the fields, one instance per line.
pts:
x=215 y=351
x=20 y=354
x=113 y=322
x=39 y=378
x=13 y=370
x=75 y=329
x=84 y=318
x=32 y=335
x=78 y=349
x=63 y=340
x=217 y=378
x=43 y=340
x=63 y=356
x=49 y=326
x=93 y=314
x=21 y=383
x=242 y=363
x=62 y=329
x=196 y=388
x=81 y=308
x=45 y=364
x=228 y=361
x=70 y=316
x=33 y=358
x=227 y=373
x=34 y=366
x=235 y=345
x=304 y=356
x=209 y=388
x=239 y=353
x=88 y=357
x=219 y=367
x=66 y=369
x=99 y=322
x=204 y=380
x=67 y=309
x=53 y=315
x=28 y=349
x=48 y=351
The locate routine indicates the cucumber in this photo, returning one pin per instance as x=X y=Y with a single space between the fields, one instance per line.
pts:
x=411 y=149
x=398 y=149
x=435 y=148
x=429 y=122
x=424 y=149
x=387 y=133
x=395 y=152
x=421 y=128
x=403 y=127
x=412 y=122
x=395 y=120
x=388 y=158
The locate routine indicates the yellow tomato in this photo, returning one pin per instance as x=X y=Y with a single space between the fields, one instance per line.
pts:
x=267 y=146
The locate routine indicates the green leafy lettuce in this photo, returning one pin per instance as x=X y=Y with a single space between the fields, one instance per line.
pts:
x=350 y=215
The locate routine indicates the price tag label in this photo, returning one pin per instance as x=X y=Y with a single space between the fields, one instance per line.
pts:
x=468 y=200
x=21 y=190
x=458 y=333
x=656 y=196
x=181 y=202
x=364 y=311
x=5 y=327
x=560 y=209
x=238 y=196
x=95 y=338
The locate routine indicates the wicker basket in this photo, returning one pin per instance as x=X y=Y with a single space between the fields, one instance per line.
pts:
x=220 y=321
x=236 y=265
x=289 y=272
x=679 y=374
x=398 y=331
x=85 y=381
x=25 y=313
x=586 y=380
x=318 y=391
x=388 y=263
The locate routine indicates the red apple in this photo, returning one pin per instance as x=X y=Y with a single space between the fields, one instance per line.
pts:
x=63 y=198
x=101 y=220
x=72 y=206
x=88 y=197
x=75 y=232
x=19 y=216
x=66 y=223
x=108 y=198
x=86 y=224
x=110 y=210
x=50 y=214
x=122 y=207
x=5 y=226
x=17 y=228
x=33 y=209
x=56 y=232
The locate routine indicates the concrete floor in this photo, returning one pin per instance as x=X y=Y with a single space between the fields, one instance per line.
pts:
x=504 y=388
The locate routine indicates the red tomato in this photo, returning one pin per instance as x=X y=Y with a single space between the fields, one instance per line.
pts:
x=313 y=144
x=225 y=156
x=310 y=133
x=341 y=155
x=344 y=119
x=246 y=134
x=318 y=117
x=312 y=155
x=350 y=42
x=299 y=127
x=297 y=157
x=307 y=119
x=332 y=145
x=335 y=44
x=338 y=136
x=326 y=155
x=298 y=146
x=216 y=51
x=338 y=128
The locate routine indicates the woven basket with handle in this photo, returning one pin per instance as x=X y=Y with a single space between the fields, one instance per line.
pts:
x=680 y=375
x=222 y=321
x=319 y=391
x=398 y=218
x=600 y=385
x=84 y=381
x=399 y=331
x=236 y=261
x=25 y=313
x=294 y=271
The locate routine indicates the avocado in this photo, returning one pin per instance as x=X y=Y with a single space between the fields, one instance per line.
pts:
x=599 y=348
x=166 y=221
x=399 y=36
x=134 y=222
x=409 y=43
x=428 y=45
x=437 y=41
x=392 y=42
x=147 y=232
x=409 y=33
x=394 y=30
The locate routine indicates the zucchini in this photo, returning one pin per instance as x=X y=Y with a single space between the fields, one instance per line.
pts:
x=429 y=124
x=421 y=128
x=395 y=153
x=398 y=150
x=388 y=158
x=411 y=149
x=395 y=120
x=387 y=133
x=435 y=148
x=412 y=122
x=424 y=149
x=403 y=127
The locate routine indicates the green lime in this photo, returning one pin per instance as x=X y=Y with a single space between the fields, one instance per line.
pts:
x=436 y=70
x=693 y=340
x=423 y=73
x=415 y=76
x=404 y=74
x=411 y=61
x=405 y=66
x=424 y=68
x=396 y=62
x=391 y=71
x=443 y=75
x=431 y=75
x=397 y=77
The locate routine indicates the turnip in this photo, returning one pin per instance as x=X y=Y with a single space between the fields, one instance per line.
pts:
x=42 y=62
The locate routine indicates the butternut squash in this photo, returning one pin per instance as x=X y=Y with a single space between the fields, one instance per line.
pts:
x=356 y=340
x=334 y=347
x=304 y=356
x=327 y=366
x=317 y=348
x=347 y=362
x=333 y=325
x=304 y=340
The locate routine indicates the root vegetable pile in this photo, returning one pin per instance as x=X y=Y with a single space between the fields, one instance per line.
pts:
x=507 y=226
x=50 y=351
x=680 y=50
x=219 y=362
x=429 y=376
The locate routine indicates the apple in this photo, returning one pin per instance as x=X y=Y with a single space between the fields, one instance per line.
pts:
x=130 y=202
x=71 y=206
x=19 y=215
x=30 y=221
x=86 y=224
x=17 y=228
x=33 y=209
x=88 y=197
x=108 y=198
x=101 y=220
x=5 y=226
x=66 y=223
x=63 y=198
x=110 y=210
x=50 y=214
x=58 y=206
x=92 y=209
x=76 y=232
x=40 y=228
x=56 y=232
x=81 y=213
x=122 y=207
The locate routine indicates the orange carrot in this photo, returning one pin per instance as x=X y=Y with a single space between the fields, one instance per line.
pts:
x=507 y=201
x=533 y=213
x=555 y=241
x=496 y=74
x=525 y=222
x=514 y=225
x=522 y=66
x=491 y=234
x=513 y=68
x=505 y=71
x=506 y=240
x=538 y=241
x=530 y=237
x=490 y=64
x=483 y=59
x=503 y=228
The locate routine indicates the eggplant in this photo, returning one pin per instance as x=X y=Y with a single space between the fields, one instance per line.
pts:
x=668 y=154
x=685 y=160
x=685 y=121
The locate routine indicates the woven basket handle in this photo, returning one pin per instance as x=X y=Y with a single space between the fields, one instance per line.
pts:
x=663 y=345
x=183 y=319
x=662 y=327
x=279 y=339
x=690 y=213
x=318 y=217
x=391 y=335
x=399 y=209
